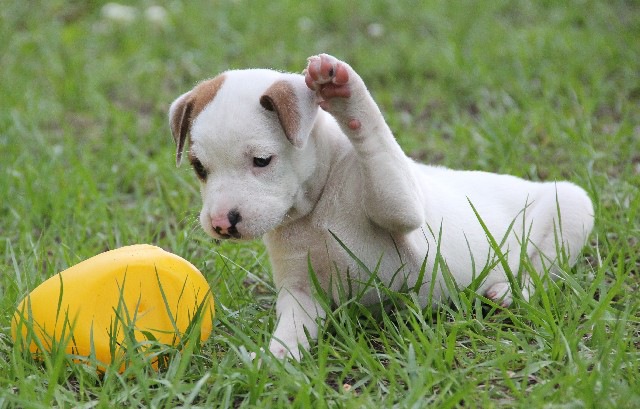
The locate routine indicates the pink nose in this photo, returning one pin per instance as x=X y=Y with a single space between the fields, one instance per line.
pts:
x=225 y=225
x=220 y=222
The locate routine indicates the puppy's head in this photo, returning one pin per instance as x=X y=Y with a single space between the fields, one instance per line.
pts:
x=246 y=133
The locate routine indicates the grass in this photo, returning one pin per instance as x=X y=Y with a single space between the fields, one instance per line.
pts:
x=544 y=90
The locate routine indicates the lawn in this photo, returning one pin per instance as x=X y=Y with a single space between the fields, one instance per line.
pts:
x=544 y=90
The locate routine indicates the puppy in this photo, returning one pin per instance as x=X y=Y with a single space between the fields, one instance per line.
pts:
x=308 y=162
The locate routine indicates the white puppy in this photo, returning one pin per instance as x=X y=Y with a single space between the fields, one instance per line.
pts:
x=316 y=182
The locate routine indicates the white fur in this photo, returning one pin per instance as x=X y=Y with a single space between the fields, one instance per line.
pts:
x=359 y=186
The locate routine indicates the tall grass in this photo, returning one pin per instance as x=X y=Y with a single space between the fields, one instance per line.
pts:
x=543 y=90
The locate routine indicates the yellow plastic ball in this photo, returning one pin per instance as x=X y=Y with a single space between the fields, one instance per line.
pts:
x=87 y=308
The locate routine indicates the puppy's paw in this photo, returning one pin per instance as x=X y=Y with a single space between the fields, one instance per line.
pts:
x=328 y=76
x=334 y=82
x=282 y=351
x=500 y=293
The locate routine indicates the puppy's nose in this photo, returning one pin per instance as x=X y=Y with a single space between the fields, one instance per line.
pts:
x=225 y=226
x=234 y=217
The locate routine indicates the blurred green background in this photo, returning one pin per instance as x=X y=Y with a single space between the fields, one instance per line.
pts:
x=540 y=89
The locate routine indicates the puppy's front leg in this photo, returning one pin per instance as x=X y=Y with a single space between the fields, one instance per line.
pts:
x=296 y=310
x=392 y=194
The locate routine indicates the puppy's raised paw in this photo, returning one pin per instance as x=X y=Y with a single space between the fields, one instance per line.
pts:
x=334 y=82
x=328 y=76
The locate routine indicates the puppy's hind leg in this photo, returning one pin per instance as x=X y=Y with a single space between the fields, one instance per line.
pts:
x=392 y=196
x=561 y=219
x=501 y=293
x=555 y=229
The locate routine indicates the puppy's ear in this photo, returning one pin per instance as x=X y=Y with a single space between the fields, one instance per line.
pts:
x=187 y=107
x=180 y=122
x=295 y=105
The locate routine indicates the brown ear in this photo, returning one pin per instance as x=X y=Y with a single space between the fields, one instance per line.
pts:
x=187 y=107
x=180 y=122
x=295 y=106
x=281 y=97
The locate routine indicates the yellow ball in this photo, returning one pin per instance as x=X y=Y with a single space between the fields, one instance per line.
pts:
x=87 y=308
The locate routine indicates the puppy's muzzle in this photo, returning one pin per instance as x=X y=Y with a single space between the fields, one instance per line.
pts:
x=226 y=226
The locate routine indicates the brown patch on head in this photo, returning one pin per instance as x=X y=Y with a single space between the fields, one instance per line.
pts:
x=204 y=93
x=187 y=107
x=281 y=97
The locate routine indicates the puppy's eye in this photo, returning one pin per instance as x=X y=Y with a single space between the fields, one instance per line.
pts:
x=199 y=168
x=262 y=162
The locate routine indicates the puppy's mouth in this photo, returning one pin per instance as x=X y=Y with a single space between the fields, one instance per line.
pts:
x=230 y=233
